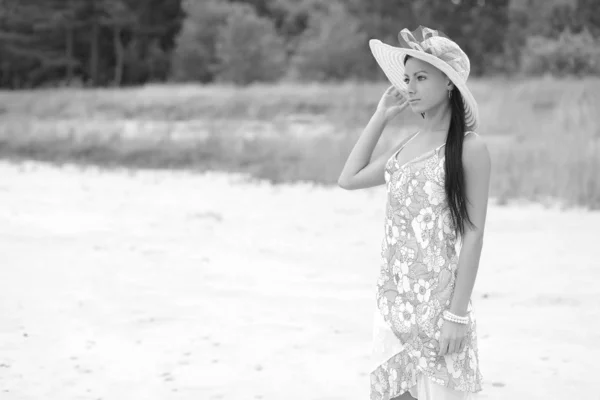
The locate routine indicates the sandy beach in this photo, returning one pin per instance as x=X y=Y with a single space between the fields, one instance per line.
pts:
x=127 y=285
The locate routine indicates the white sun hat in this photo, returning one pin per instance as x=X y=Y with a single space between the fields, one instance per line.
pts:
x=437 y=49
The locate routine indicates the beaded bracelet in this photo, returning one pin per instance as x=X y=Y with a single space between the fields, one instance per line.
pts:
x=448 y=316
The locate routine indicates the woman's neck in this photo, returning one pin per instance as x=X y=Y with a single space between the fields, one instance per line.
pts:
x=437 y=123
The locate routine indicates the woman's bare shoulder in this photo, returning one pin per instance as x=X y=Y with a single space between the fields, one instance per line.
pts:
x=475 y=150
x=474 y=142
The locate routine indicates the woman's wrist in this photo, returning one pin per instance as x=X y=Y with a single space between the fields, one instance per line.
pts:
x=458 y=306
x=459 y=319
x=380 y=115
x=461 y=312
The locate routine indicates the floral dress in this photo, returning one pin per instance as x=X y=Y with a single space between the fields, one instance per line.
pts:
x=419 y=259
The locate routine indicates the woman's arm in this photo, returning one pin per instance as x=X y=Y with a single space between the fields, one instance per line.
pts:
x=359 y=172
x=477 y=167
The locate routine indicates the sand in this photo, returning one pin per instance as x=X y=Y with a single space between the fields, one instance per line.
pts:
x=174 y=285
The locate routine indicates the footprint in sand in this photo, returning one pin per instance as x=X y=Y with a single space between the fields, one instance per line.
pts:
x=167 y=377
x=208 y=215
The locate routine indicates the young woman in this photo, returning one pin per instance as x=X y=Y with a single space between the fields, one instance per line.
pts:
x=437 y=180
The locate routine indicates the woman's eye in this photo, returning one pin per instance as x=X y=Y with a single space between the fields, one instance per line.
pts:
x=419 y=78
x=405 y=80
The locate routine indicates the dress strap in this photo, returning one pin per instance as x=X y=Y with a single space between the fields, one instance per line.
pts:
x=409 y=139
x=404 y=144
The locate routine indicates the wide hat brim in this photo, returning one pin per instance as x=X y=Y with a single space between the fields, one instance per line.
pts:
x=391 y=61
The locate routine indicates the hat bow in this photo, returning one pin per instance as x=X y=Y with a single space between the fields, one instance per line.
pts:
x=407 y=38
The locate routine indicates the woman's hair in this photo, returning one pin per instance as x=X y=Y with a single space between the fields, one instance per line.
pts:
x=453 y=167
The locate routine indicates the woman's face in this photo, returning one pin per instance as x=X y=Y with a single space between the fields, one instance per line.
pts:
x=427 y=85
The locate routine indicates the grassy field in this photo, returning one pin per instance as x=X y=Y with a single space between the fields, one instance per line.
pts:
x=544 y=135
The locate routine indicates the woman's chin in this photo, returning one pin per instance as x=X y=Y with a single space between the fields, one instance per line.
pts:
x=416 y=108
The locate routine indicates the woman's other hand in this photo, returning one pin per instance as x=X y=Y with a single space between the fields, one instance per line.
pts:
x=453 y=337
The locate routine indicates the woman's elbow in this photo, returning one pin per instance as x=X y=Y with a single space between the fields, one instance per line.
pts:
x=343 y=184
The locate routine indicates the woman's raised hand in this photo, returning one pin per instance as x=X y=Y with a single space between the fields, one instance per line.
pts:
x=392 y=103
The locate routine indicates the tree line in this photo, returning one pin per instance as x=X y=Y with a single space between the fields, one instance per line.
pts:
x=129 y=42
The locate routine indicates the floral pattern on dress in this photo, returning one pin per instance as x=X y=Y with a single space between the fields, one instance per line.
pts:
x=418 y=270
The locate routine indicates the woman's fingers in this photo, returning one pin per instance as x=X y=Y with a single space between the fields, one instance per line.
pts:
x=393 y=91
x=443 y=347
x=459 y=345
x=397 y=108
x=449 y=346
x=452 y=346
x=400 y=95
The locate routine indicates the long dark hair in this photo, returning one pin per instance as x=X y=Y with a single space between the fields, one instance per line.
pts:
x=453 y=167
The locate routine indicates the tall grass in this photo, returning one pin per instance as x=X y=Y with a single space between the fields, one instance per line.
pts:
x=543 y=135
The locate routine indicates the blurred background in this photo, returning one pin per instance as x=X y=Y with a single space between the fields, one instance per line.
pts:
x=281 y=89
x=170 y=223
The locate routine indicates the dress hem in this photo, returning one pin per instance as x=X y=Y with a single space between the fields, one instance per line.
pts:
x=414 y=382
